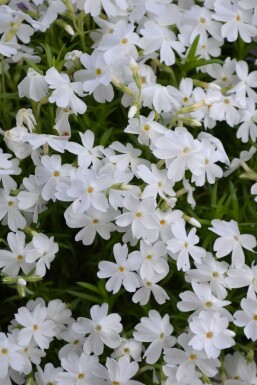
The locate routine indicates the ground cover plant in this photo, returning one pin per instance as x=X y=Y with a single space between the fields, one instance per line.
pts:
x=128 y=192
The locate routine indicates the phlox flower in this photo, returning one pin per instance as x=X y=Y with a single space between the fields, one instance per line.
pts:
x=103 y=329
x=149 y=286
x=64 y=91
x=189 y=360
x=128 y=157
x=239 y=370
x=210 y=333
x=87 y=153
x=93 y=222
x=225 y=109
x=130 y=348
x=87 y=189
x=120 y=44
x=78 y=370
x=247 y=317
x=161 y=98
x=146 y=128
x=156 y=330
x=8 y=167
x=96 y=77
x=35 y=326
x=237 y=162
x=198 y=21
x=121 y=371
x=160 y=37
x=33 y=86
x=140 y=216
x=237 y=21
x=202 y=298
x=121 y=272
x=30 y=197
x=243 y=277
x=244 y=86
x=10 y=356
x=181 y=152
x=212 y=271
x=48 y=375
x=31 y=353
x=42 y=251
x=59 y=314
x=57 y=142
x=157 y=182
x=9 y=211
x=248 y=123
x=50 y=173
x=183 y=245
x=75 y=341
x=14 y=260
x=231 y=240
x=224 y=75
x=150 y=259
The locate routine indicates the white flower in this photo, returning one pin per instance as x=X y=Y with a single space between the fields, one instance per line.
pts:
x=181 y=152
x=244 y=86
x=157 y=182
x=10 y=355
x=36 y=326
x=183 y=245
x=103 y=329
x=33 y=86
x=43 y=251
x=160 y=37
x=87 y=190
x=60 y=314
x=211 y=333
x=30 y=199
x=121 y=43
x=201 y=299
x=212 y=271
x=14 y=260
x=50 y=173
x=78 y=370
x=231 y=241
x=140 y=216
x=156 y=330
x=236 y=21
x=93 y=222
x=188 y=360
x=247 y=317
x=121 y=272
x=64 y=91
x=87 y=153
x=146 y=128
x=48 y=375
x=148 y=286
x=121 y=371
x=130 y=348
x=10 y=212
x=150 y=258
x=96 y=77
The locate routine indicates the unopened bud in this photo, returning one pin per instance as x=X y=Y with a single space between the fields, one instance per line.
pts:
x=21 y=282
x=132 y=111
x=68 y=28
x=191 y=220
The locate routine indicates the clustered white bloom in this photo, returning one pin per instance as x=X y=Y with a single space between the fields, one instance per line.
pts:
x=131 y=190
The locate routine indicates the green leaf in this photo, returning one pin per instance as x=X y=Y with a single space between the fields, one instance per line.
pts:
x=34 y=66
x=89 y=287
x=87 y=297
x=192 y=51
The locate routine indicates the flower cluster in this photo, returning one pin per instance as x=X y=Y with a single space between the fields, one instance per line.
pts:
x=122 y=132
